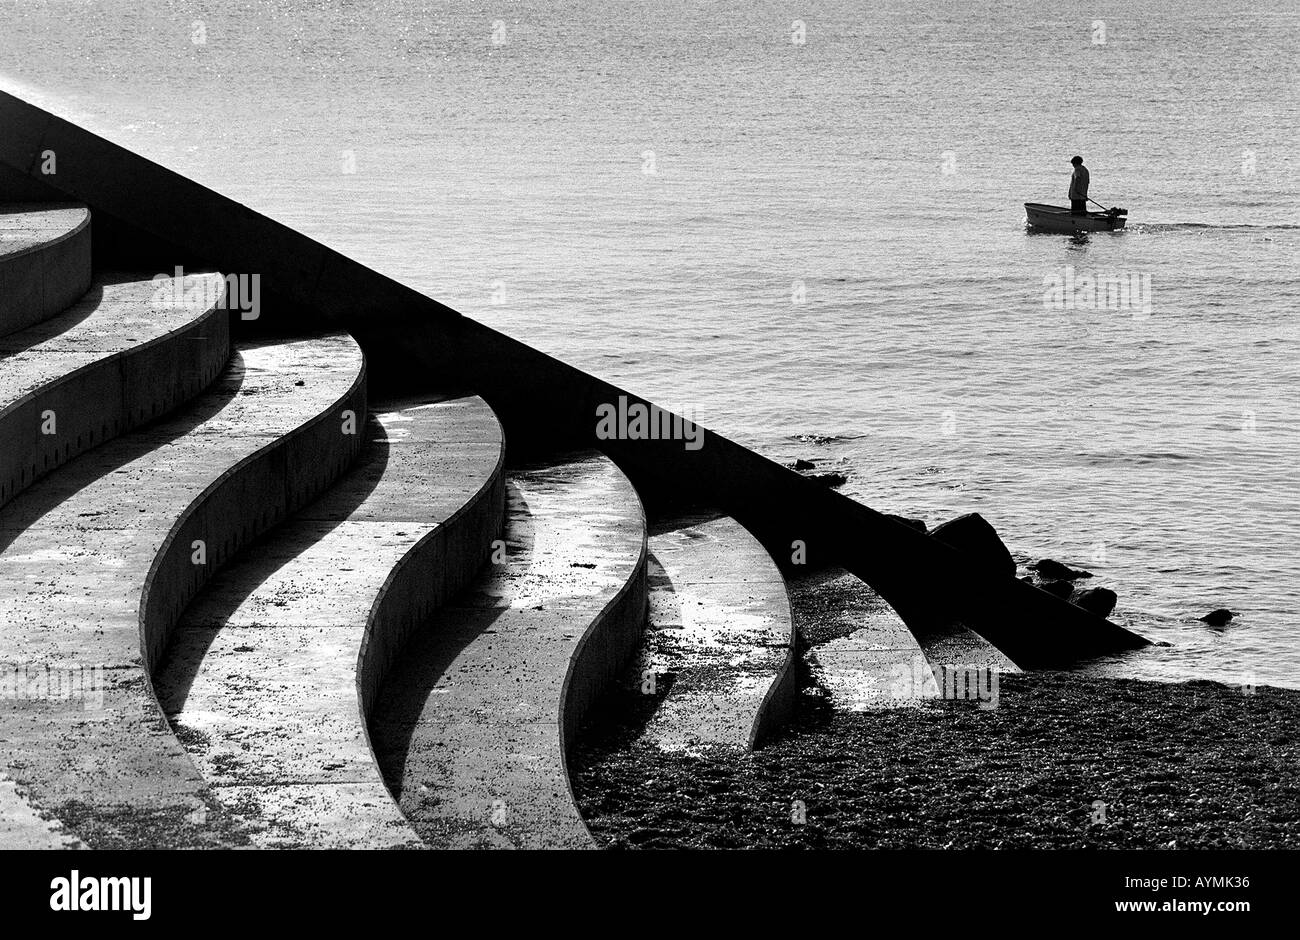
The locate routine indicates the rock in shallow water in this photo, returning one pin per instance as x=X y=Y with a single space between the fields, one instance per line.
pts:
x=1051 y=569
x=1218 y=617
x=972 y=535
x=1100 y=601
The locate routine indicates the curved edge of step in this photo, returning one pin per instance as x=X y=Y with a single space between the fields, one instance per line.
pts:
x=776 y=709
x=474 y=724
x=721 y=621
x=38 y=281
x=437 y=568
x=608 y=644
x=246 y=500
x=101 y=399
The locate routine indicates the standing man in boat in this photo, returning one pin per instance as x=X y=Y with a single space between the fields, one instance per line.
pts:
x=1079 y=187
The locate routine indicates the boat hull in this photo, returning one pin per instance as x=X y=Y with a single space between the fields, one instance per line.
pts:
x=1045 y=218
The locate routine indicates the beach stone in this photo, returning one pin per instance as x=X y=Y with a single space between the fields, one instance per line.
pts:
x=1050 y=569
x=1061 y=589
x=1100 y=601
x=972 y=535
x=802 y=464
x=1218 y=617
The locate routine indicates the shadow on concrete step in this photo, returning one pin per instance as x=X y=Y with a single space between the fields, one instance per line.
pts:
x=427 y=656
x=258 y=567
x=76 y=475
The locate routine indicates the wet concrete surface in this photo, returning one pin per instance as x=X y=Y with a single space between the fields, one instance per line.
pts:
x=865 y=657
x=470 y=727
x=720 y=637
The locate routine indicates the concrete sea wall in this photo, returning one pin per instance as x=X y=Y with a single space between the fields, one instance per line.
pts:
x=544 y=404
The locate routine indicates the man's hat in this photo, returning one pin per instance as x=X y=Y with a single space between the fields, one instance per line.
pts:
x=1076 y=160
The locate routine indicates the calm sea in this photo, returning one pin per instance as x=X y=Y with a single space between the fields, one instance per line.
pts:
x=803 y=222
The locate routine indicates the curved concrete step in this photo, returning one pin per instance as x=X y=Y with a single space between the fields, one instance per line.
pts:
x=98 y=560
x=131 y=349
x=720 y=637
x=44 y=261
x=881 y=663
x=260 y=681
x=472 y=726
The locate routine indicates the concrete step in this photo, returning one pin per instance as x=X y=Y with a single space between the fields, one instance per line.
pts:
x=882 y=664
x=879 y=664
x=129 y=350
x=98 y=560
x=44 y=261
x=472 y=726
x=720 y=639
x=260 y=681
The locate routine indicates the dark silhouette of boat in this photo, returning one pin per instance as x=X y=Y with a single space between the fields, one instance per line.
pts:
x=1045 y=218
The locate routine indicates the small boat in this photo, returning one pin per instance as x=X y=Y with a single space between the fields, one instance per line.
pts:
x=1044 y=218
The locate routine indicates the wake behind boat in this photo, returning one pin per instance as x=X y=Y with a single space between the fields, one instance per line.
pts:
x=1060 y=220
